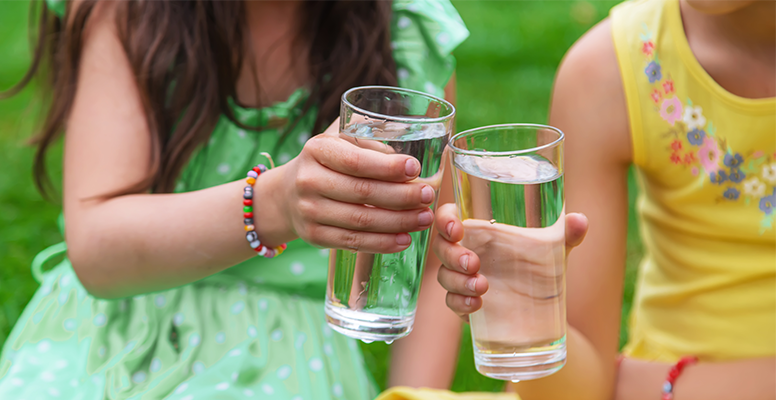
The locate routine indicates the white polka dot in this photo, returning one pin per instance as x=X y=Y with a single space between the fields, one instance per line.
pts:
x=96 y=380
x=235 y=375
x=177 y=319
x=413 y=7
x=16 y=381
x=53 y=392
x=123 y=306
x=160 y=301
x=315 y=364
x=241 y=133
x=242 y=289
x=267 y=389
x=297 y=268
x=222 y=386
x=182 y=388
x=101 y=351
x=32 y=360
x=300 y=339
x=326 y=330
x=284 y=158
x=45 y=290
x=189 y=397
x=70 y=324
x=44 y=346
x=139 y=377
x=220 y=337
x=252 y=331
x=402 y=73
x=430 y=88
x=303 y=138
x=237 y=307
x=180 y=187
x=60 y=364
x=324 y=252
x=328 y=350
x=443 y=38
x=130 y=345
x=263 y=305
x=100 y=319
x=277 y=335
x=337 y=389
x=212 y=141
x=139 y=297
x=404 y=22
x=198 y=367
x=156 y=365
x=63 y=297
x=73 y=383
x=65 y=281
x=235 y=352
x=394 y=45
x=248 y=393
x=284 y=372
x=224 y=169
x=194 y=339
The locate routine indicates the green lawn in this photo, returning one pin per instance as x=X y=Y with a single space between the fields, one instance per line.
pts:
x=505 y=73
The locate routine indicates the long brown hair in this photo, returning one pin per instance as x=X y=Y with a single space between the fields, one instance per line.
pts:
x=186 y=57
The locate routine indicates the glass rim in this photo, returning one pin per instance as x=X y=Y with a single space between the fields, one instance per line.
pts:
x=397 y=118
x=469 y=132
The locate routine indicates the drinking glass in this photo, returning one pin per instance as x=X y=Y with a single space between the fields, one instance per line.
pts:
x=509 y=191
x=373 y=296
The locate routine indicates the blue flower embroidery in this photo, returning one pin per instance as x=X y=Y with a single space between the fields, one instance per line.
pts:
x=736 y=176
x=718 y=177
x=733 y=160
x=731 y=193
x=695 y=137
x=767 y=203
x=653 y=72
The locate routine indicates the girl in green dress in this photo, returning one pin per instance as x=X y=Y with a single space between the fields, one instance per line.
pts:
x=166 y=105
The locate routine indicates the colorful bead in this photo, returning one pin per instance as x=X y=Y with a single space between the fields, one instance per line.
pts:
x=248 y=221
x=255 y=244
x=270 y=253
x=248 y=195
x=251 y=236
x=247 y=209
x=251 y=181
x=263 y=251
x=253 y=174
x=247 y=202
x=248 y=215
x=249 y=228
x=262 y=168
x=259 y=247
x=256 y=169
x=283 y=246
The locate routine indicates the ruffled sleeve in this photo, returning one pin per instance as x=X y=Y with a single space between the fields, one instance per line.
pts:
x=424 y=34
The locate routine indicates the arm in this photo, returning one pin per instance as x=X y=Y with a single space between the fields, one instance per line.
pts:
x=128 y=244
x=427 y=357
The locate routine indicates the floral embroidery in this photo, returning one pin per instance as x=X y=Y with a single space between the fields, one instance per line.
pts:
x=747 y=177
x=653 y=72
x=671 y=110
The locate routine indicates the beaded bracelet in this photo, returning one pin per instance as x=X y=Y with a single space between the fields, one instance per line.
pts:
x=673 y=373
x=250 y=227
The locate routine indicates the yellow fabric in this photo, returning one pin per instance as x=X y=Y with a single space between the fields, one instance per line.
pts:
x=405 y=393
x=706 y=163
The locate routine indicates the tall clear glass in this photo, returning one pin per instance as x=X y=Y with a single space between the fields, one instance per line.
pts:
x=373 y=296
x=509 y=192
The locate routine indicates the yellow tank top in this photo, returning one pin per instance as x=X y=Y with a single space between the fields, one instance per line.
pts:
x=706 y=164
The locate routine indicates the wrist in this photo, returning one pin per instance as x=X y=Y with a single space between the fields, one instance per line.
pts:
x=271 y=224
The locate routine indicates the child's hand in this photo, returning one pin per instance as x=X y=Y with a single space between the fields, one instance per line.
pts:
x=326 y=190
x=459 y=276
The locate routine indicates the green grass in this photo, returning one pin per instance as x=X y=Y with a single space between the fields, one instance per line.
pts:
x=505 y=74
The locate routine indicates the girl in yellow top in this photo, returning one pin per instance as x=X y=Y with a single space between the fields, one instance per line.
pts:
x=684 y=90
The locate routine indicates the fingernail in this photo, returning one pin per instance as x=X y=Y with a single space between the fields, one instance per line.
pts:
x=471 y=283
x=411 y=167
x=427 y=194
x=467 y=301
x=425 y=218
x=464 y=260
x=403 y=239
x=449 y=228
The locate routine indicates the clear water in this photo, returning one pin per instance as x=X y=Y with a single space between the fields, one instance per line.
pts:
x=512 y=210
x=374 y=296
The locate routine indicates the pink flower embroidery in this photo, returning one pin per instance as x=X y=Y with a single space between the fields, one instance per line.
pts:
x=671 y=110
x=656 y=96
x=668 y=86
x=647 y=48
x=709 y=155
x=694 y=170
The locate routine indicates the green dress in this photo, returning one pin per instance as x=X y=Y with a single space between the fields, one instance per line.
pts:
x=256 y=330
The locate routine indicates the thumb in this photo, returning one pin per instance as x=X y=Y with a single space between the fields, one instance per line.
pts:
x=576 y=229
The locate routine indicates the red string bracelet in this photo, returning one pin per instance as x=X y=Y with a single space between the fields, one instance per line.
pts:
x=250 y=228
x=673 y=373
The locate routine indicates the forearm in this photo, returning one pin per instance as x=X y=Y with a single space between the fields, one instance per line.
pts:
x=586 y=375
x=752 y=379
x=427 y=357
x=145 y=242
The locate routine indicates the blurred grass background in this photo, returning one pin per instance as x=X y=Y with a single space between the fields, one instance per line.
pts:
x=505 y=73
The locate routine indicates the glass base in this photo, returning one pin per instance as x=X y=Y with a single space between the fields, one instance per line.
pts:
x=521 y=366
x=367 y=326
